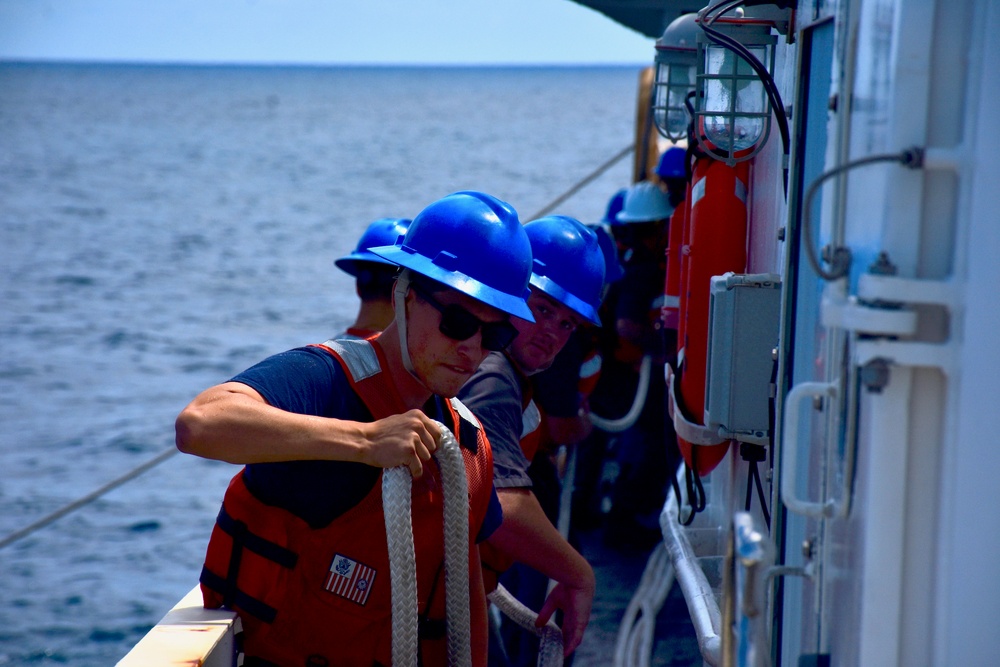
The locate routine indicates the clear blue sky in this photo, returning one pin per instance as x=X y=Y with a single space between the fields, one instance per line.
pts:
x=317 y=31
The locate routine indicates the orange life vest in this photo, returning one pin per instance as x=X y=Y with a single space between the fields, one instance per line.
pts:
x=322 y=596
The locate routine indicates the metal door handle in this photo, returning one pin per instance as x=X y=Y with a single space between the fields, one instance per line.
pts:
x=789 y=449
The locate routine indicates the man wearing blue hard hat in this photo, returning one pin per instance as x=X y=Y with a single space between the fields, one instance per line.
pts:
x=373 y=277
x=672 y=173
x=299 y=549
x=639 y=490
x=567 y=282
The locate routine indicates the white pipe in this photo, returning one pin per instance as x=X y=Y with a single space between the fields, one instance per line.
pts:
x=701 y=602
x=622 y=423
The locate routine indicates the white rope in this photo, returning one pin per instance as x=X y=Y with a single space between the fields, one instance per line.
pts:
x=622 y=423
x=634 y=645
x=456 y=549
x=396 y=503
x=550 y=651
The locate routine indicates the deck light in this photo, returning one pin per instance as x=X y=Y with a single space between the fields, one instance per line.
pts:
x=733 y=116
x=676 y=64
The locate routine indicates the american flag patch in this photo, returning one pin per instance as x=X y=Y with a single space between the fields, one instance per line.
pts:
x=350 y=579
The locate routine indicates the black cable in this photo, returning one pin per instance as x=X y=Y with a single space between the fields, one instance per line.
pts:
x=707 y=11
x=754 y=454
x=840 y=258
x=774 y=96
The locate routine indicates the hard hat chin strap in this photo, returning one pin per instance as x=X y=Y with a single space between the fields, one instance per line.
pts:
x=399 y=306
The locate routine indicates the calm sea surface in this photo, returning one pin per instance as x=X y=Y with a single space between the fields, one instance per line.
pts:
x=162 y=228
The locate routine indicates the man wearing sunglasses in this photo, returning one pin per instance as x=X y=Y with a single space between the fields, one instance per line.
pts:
x=567 y=282
x=299 y=547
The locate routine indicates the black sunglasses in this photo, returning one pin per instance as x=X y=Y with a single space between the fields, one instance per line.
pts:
x=458 y=323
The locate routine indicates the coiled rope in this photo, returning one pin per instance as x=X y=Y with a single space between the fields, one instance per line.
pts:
x=622 y=423
x=634 y=644
x=550 y=651
x=396 y=502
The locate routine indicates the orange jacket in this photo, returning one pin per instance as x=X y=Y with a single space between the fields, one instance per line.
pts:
x=322 y=596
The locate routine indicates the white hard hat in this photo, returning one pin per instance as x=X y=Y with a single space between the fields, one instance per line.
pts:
x=644 y=202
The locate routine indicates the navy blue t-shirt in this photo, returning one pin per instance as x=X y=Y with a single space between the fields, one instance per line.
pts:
x=494 y=394
x=309 y=381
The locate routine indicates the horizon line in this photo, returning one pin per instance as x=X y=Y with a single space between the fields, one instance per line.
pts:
x=8 y=60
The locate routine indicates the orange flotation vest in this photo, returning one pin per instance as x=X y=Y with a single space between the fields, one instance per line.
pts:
x=714 y=243
x=322 y=596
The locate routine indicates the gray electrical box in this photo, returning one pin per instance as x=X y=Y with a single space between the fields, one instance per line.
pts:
x=744 y=317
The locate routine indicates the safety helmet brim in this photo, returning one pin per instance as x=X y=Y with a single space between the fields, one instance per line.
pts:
x=563 y=296
x=510 y=304
x=353 y=263
x=628 y=219
x=384 y=231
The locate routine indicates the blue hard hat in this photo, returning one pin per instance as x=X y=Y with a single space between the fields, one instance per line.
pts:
x=384 y=231
x=473 y=243
x=671 y=164
x=613 y=270
x=614 y=207
x=645 y=202
x=568 y=264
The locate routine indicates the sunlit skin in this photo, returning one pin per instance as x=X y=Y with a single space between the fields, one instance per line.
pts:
x=538 y=343
x=442 y=364
x=232 y=422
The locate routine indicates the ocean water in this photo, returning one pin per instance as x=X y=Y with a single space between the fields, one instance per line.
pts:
x=162 y=228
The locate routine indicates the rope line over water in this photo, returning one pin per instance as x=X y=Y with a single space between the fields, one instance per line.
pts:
x=582 y=183
x=90 y=497
x=135 y=472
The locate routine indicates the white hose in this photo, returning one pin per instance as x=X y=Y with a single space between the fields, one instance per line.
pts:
x=622 y=423
x=634 y=645
x=550 y=652
x=396 y=503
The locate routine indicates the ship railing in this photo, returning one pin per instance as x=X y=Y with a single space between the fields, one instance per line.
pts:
x=188 y=635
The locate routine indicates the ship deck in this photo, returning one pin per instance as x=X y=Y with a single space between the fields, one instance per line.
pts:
x=619 y=572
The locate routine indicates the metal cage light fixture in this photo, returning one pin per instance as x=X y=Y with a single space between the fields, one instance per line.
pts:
x=733 y=115
x=676 y=66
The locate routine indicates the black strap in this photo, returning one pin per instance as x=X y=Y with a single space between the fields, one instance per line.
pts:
x=239 y=531
x=228 y=586
x=233 y=597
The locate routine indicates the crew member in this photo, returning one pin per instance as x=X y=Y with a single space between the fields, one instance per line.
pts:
x=640 y=488
x=373 y=277
x=299 y=548
x=566 y=285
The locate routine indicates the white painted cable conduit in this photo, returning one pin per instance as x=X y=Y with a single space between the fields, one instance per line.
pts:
x=396 y=502
x=622 y=423
x=701 y=602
